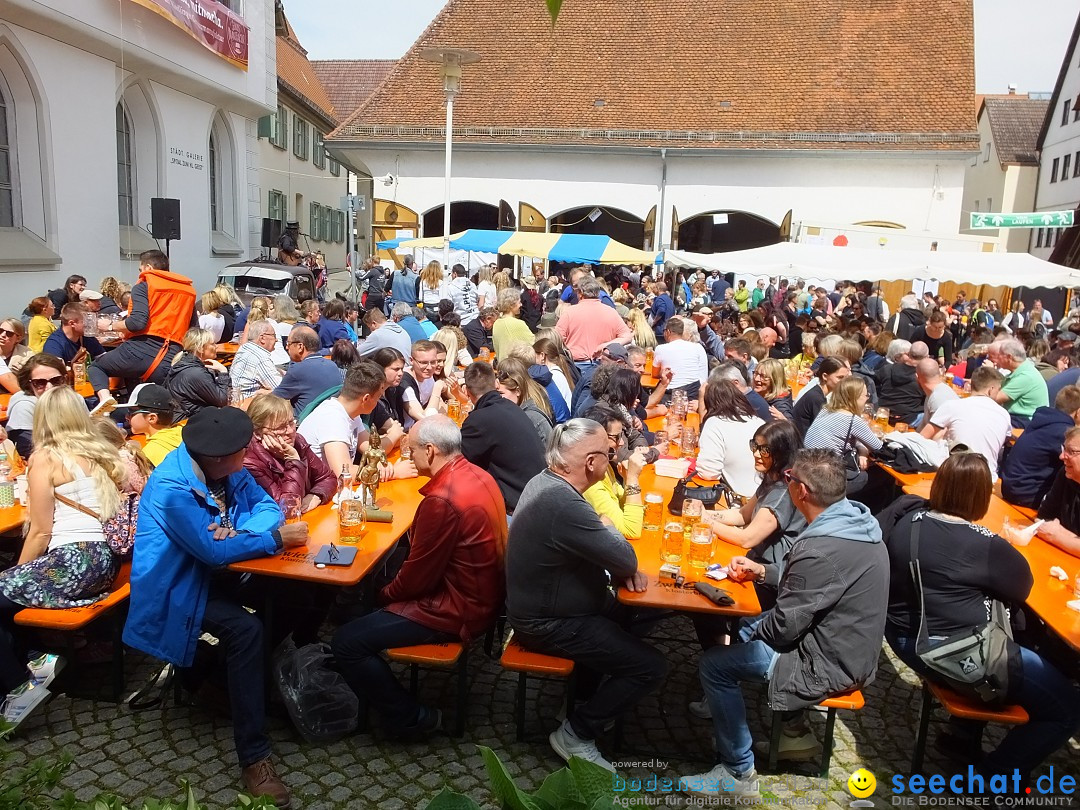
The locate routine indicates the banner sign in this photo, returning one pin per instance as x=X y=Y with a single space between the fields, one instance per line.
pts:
x=1057 y=219
x=212 y=24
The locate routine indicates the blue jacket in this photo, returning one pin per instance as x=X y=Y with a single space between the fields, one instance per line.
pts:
x=330 y=331
x=175 y=553
x=560 y=408
x=1030 y=467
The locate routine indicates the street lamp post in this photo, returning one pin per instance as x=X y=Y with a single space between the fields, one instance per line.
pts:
x=451 y=60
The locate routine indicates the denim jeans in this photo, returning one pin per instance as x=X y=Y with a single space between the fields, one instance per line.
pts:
x=722 y=670
x=1050 y=699
x=601 y=646
x=240 y=634
x=358 y=648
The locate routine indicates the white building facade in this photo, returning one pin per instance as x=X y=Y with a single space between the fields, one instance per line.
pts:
x=107 y=105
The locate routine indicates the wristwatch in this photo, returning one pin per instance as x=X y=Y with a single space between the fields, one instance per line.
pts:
x=632 y=489
x=760 y=578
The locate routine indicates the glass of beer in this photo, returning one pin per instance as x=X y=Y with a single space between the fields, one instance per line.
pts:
x=882 y=418
x=352 y=519
x=290 y=507
x=701 y=546
x=406 y=450
x=453 y=410
x=671 y=544
x=649 y=357
x=660 y=442
x=654 y=510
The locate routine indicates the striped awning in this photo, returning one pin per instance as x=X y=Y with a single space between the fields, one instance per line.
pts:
x=559 y=247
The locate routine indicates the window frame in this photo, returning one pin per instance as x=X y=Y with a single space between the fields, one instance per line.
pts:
x=300 y=137
x=215 y=182
x=1054 y=170
x=1066 y=108
x=278 y=122
x=1066 y=162
x=127 y=132
x=279 y=196
x=335 y=167
x=9 y=154
x=314 y=222
x=318 y=148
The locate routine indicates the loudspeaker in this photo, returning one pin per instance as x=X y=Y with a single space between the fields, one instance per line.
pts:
x=164 y=218
x=271 y=232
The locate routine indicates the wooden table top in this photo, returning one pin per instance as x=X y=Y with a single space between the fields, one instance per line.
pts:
x=1048 y=594
x=665 y=594
x=908 y=479
x=11 y=518
x=400 y=497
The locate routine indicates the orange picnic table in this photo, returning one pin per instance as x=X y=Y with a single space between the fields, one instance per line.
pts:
x=400 y=497
x=1049 y=594
x=11 y=518
x=665 y=594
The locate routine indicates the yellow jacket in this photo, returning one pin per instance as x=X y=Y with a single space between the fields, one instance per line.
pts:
x=607 y=498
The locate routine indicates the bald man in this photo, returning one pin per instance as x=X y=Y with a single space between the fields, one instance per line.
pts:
x=937 y=390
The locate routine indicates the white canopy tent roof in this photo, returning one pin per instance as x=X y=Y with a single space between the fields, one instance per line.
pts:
x=798 y=260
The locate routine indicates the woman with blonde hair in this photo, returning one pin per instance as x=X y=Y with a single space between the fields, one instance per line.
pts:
x=111 y=290
x=285 y=315
x=485 y=288
x=137 y=466
x=501 y=280
x=509 y=329
x=514 y=383
x=74 y=477
x=432 y=287
x=770 y=382
x=567 y=363
x=456 y=353
x=210 y=319
x=196 y=379
x=644 y=336
x=839 y=427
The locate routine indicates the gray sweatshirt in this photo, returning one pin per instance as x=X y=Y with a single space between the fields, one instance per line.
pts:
x=559 y=553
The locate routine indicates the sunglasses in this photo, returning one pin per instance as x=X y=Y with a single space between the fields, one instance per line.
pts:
x=761 y=449
x=789 y=477
x=7 y=333
x=41 y=385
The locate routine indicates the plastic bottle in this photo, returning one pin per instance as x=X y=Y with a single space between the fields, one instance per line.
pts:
x=5 y=467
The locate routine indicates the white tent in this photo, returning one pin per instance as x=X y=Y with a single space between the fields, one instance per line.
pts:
x=798 y=260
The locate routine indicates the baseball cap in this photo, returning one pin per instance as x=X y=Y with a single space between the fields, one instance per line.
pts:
x=616 y=351
x=152 y=396
x=703 y=311
x=90 y=295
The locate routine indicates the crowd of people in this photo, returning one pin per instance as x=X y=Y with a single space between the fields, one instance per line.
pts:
x=523 y=405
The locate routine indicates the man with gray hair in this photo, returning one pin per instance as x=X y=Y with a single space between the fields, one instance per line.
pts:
x=449 y=588
x=1024 y=388
x=559 y=602
x=310 y=374
x=821 y=638
x=909 y=319
x=898 y=389
x=402 y=314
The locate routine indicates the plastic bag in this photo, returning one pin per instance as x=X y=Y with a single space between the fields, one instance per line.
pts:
x=322 y=706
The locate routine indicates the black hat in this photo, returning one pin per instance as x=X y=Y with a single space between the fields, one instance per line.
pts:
x=151 y=396
x=217 y=432
x=292 y=223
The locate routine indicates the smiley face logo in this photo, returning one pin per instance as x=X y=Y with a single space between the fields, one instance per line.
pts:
x=861 y=783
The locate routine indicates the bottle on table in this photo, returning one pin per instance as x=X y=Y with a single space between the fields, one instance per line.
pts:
x=5 y=467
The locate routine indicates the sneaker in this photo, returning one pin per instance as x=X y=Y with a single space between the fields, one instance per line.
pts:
x=260 y=779
x=568 y=744
x=20 y=702
x=720 y=782
x=701 y=709
x=429 y=722
x=43 y=670
x=793 y=747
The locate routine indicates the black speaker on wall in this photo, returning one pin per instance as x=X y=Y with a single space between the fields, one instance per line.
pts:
x=164 y=218
x=271 y=232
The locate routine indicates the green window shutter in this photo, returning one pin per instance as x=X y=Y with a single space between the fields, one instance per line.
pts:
x=266 y=127
x=314 y=229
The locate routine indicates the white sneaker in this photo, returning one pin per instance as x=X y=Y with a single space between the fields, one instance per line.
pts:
x=701 y=709
x=19 y=703
x=43 y=670
x=721 y=782
x=567 y=744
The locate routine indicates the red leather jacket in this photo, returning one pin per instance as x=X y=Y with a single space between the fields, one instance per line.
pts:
x=453 y=579
x=309 y=475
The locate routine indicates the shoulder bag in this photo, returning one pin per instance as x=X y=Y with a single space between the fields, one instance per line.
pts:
x=856 y=476
x=709 y=494
x=119 y=530
x=973 y=662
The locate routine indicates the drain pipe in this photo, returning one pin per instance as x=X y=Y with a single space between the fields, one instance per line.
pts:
x=658 y=236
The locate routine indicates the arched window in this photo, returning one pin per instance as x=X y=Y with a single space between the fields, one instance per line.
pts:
x=125 y=167
x=215 y=187
x=222 y=192
x=7 y=183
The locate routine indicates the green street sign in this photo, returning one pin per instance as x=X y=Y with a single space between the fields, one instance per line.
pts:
x=1043 y=219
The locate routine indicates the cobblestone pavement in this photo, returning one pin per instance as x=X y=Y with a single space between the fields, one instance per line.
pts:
x=146 y=754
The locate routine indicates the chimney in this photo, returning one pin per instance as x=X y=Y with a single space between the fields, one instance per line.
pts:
x=1012 y=89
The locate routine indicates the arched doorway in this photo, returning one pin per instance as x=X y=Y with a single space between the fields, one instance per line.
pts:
x=463 y=216
x=724 y=231
x=622 y=226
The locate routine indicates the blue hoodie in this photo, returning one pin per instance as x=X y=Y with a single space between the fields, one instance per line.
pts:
x=847 y=520
x=1030 y=467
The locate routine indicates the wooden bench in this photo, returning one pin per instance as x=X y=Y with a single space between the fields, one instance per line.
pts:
x=448 y=656
x=76 y=618
x=516 y=658
x=850 y=701
x=962 y=707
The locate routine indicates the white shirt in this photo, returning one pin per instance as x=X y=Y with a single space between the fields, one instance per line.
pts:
x=330 y=422
x=686 y=360
x=724 y=447
x=938 y=397
x=978 y=422
x=214 y=323
x=486 y=290
x=561 y=383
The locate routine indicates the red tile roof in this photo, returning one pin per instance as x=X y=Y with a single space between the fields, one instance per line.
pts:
x=741 y=73
x=350 y=82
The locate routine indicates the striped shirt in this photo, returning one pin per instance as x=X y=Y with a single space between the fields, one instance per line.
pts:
x=830 y=430
x=252 y=369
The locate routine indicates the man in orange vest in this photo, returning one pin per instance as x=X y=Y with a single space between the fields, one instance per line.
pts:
x=162 y=310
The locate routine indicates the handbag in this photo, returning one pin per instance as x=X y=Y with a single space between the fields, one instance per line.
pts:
x=707 y=494
x=119 y=530
x=973 y=662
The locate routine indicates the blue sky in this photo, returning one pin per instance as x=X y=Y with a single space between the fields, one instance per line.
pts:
x=1015 y=43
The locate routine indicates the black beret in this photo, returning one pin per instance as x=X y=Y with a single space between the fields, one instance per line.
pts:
x=217 y=432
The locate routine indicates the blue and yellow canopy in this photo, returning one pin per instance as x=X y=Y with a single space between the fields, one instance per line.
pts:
x=558 y=247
